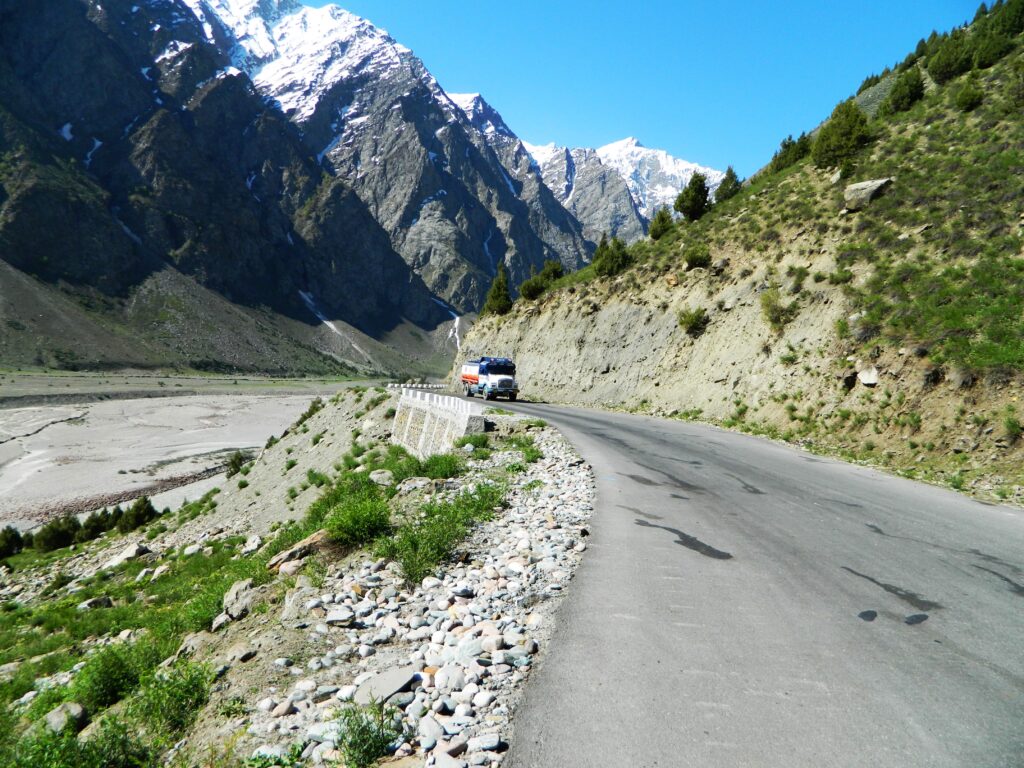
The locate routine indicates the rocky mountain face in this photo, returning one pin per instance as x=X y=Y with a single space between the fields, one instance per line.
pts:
x=616 y=188
x=452 y=196
x=154 y=202
x=593 y=192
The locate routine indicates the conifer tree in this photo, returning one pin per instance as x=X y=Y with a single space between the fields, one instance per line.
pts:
x=693 y=201
x=729 y=187
x=842 y=136
x=660 y=224
x=499 y=300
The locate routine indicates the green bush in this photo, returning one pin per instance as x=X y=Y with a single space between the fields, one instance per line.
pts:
x=790 y=152
x=477 y=441
x=57 y=534
x=697 y=256
x=953 y=57
x=695 y=199
x=113 y=746
x=499 y=300
x=660 y=224
x=442 y=466
x=94 y=526
x=845 y=133
x=10 y=542
x=1013 y=427
x=611 y=257
x=526 y=445
x=169 y=699
x=968 y=96
x=535 y=286
x=315 y=407
x=776 y=312
x=906 y=91
x=111 y=673
x=359 y=518
x=729 y=186
x=694 y=321
x=138 y=514
x=989 y=48
x=235 y=463
x=367 y=734
x=420 y=546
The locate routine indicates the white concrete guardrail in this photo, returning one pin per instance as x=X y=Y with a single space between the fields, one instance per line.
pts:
x=427 y=423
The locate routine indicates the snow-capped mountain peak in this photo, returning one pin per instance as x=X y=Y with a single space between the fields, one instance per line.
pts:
x=543 y=153
x=296 y=54
x=654 y=176
x=481 y=115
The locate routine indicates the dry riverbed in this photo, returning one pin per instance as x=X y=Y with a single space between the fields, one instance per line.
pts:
x=75 y=457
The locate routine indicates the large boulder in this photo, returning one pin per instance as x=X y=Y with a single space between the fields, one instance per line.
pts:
x=131 y=552
x=857 y=196
x=69 y=713
x=238 y=600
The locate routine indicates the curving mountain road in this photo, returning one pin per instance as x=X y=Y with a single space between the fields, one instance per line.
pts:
x=743 y=603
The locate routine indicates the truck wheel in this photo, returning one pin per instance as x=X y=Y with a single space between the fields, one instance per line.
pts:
x=511 y=398
x=489 y=395
x=468 y=392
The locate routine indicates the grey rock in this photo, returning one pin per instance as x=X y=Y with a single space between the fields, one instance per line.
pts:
x=95 y=602
x=486 y=741
x=857 y=196
x=251 y=544
x=131 y=552
x=340 y=616
x=69 y=714
x=384 y=477
x=383 y=686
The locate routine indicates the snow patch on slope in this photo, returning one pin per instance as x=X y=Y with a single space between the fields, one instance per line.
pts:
x=654 y=177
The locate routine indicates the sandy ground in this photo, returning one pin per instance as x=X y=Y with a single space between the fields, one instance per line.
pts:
x=55 y=456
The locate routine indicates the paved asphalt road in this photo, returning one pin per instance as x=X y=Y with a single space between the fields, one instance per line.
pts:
x=743 y=603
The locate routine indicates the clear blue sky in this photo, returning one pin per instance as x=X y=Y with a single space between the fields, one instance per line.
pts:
x=717 y=83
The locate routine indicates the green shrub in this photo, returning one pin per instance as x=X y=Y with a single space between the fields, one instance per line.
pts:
x=906 y=91
x=169 y=699
x=113 y=746
x=693 y=321
x=1013 y=427
x=697 y=256
x=953 y=57
x=776 y=312
x=611 y=257
x=538 y=284
x=235 y=463
x=57 y=534
x=729 y=186
x=314 y=407
x=790 y=152
x=660 y=224
x=989 y=48
x=10 y=542
x=367 y=734
x=138 y=514
x=94 y=526
x=499 y=300
x=968 y=96
x=526 y=445
x=477 y=441
x=442 y=466
x=695 y=199
x=111 y=673
x=421 y=545
x=845 y=133
x=360 y=517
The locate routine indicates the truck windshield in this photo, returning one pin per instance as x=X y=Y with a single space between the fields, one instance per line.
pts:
x=501 y=369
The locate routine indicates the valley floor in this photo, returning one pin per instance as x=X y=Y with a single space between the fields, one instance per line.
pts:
x=84 y=441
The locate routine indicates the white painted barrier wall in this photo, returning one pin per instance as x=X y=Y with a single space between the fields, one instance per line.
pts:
x=427 y=423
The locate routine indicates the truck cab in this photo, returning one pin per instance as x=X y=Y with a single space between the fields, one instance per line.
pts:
x=491 y=377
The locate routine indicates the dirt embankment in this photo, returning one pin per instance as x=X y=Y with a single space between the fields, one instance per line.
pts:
x=620 y=344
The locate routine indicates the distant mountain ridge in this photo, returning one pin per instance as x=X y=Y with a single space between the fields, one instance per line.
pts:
x=593 y=183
